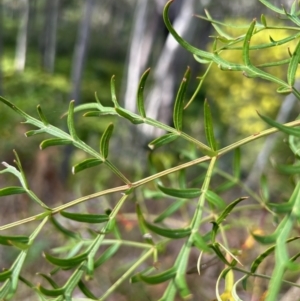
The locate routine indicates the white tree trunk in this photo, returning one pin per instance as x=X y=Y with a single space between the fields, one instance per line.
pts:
x=21 y=47
x=162 y=93
x=50 y=35
x=137 y=58
x=80 y=49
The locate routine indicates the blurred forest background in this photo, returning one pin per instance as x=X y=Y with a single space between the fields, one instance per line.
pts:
x=53 y=51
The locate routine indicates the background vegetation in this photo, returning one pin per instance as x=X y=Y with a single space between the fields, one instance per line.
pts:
x=71 y=50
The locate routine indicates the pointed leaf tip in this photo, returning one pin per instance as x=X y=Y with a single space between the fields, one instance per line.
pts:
x=179 y=106
x=104 y=141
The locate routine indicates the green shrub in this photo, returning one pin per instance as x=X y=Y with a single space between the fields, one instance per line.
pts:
x=192 y=201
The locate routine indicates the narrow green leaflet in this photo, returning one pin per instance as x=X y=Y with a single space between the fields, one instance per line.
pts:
x=49 y=280
x=263 y=20
x=265 y=254
x=85 y=218
x=284 y=90
x=66 y=262
x=228 y=209
x=272 y=7
x=71 y=125
x=64 y=230
x=159 y=278
x=87 y=163
x=5 y=275
x=208 y=125
x=133 y=118
x=165 y=232
x=86 y=291
x=179 y=102
x=51 y=293
x=293 y=66
x=12 y=190
x=113 y=92
x=104 y=141
x=246 y=45
x=283 y=128
x=54 y=142
x=288 y=169
x=215 y=200
x=140 y=93
x=165 y=139
x=218 y=28
x=188 y=193
x=200 y=243
x=8 y=240
x=264 y=188
x=42 y=116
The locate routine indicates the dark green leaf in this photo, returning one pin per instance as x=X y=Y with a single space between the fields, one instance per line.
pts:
x=52 y=293
x=66 y=262
x=294 y=7
x=134 y=118
x=188 y=193
x=86 y=164
x=265 y=254
x=140 y=93
x=104 y=141
x=71 y=125
x=246 y=45
x=86 y=291
x=200 y=243
x=228 y=209
x=159 y=278
x=113 y=92
x=42 y=116
x=264 y=187
x=272 y=7
x=179 y=105
x=85 y=218
x=34 y=132
x=293 y=65
x=170 y=233
x=5 y=275
x=288 y=169
x=208 y=125
x=49 y=279
x=215 y=200
x=63 y=230
x=216 y=247
x=136 y=278
x=263 y=20
x=165 y=139
x=284 y=90
x=8 y=240
x=54 y=141
x=283 y=128
x=12 y=190
x=142 y=226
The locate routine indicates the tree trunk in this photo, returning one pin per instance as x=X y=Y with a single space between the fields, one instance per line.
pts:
x=21 y=47
x=137 y=56
x=162 y=94
x=80 y=50
x=49 y=35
